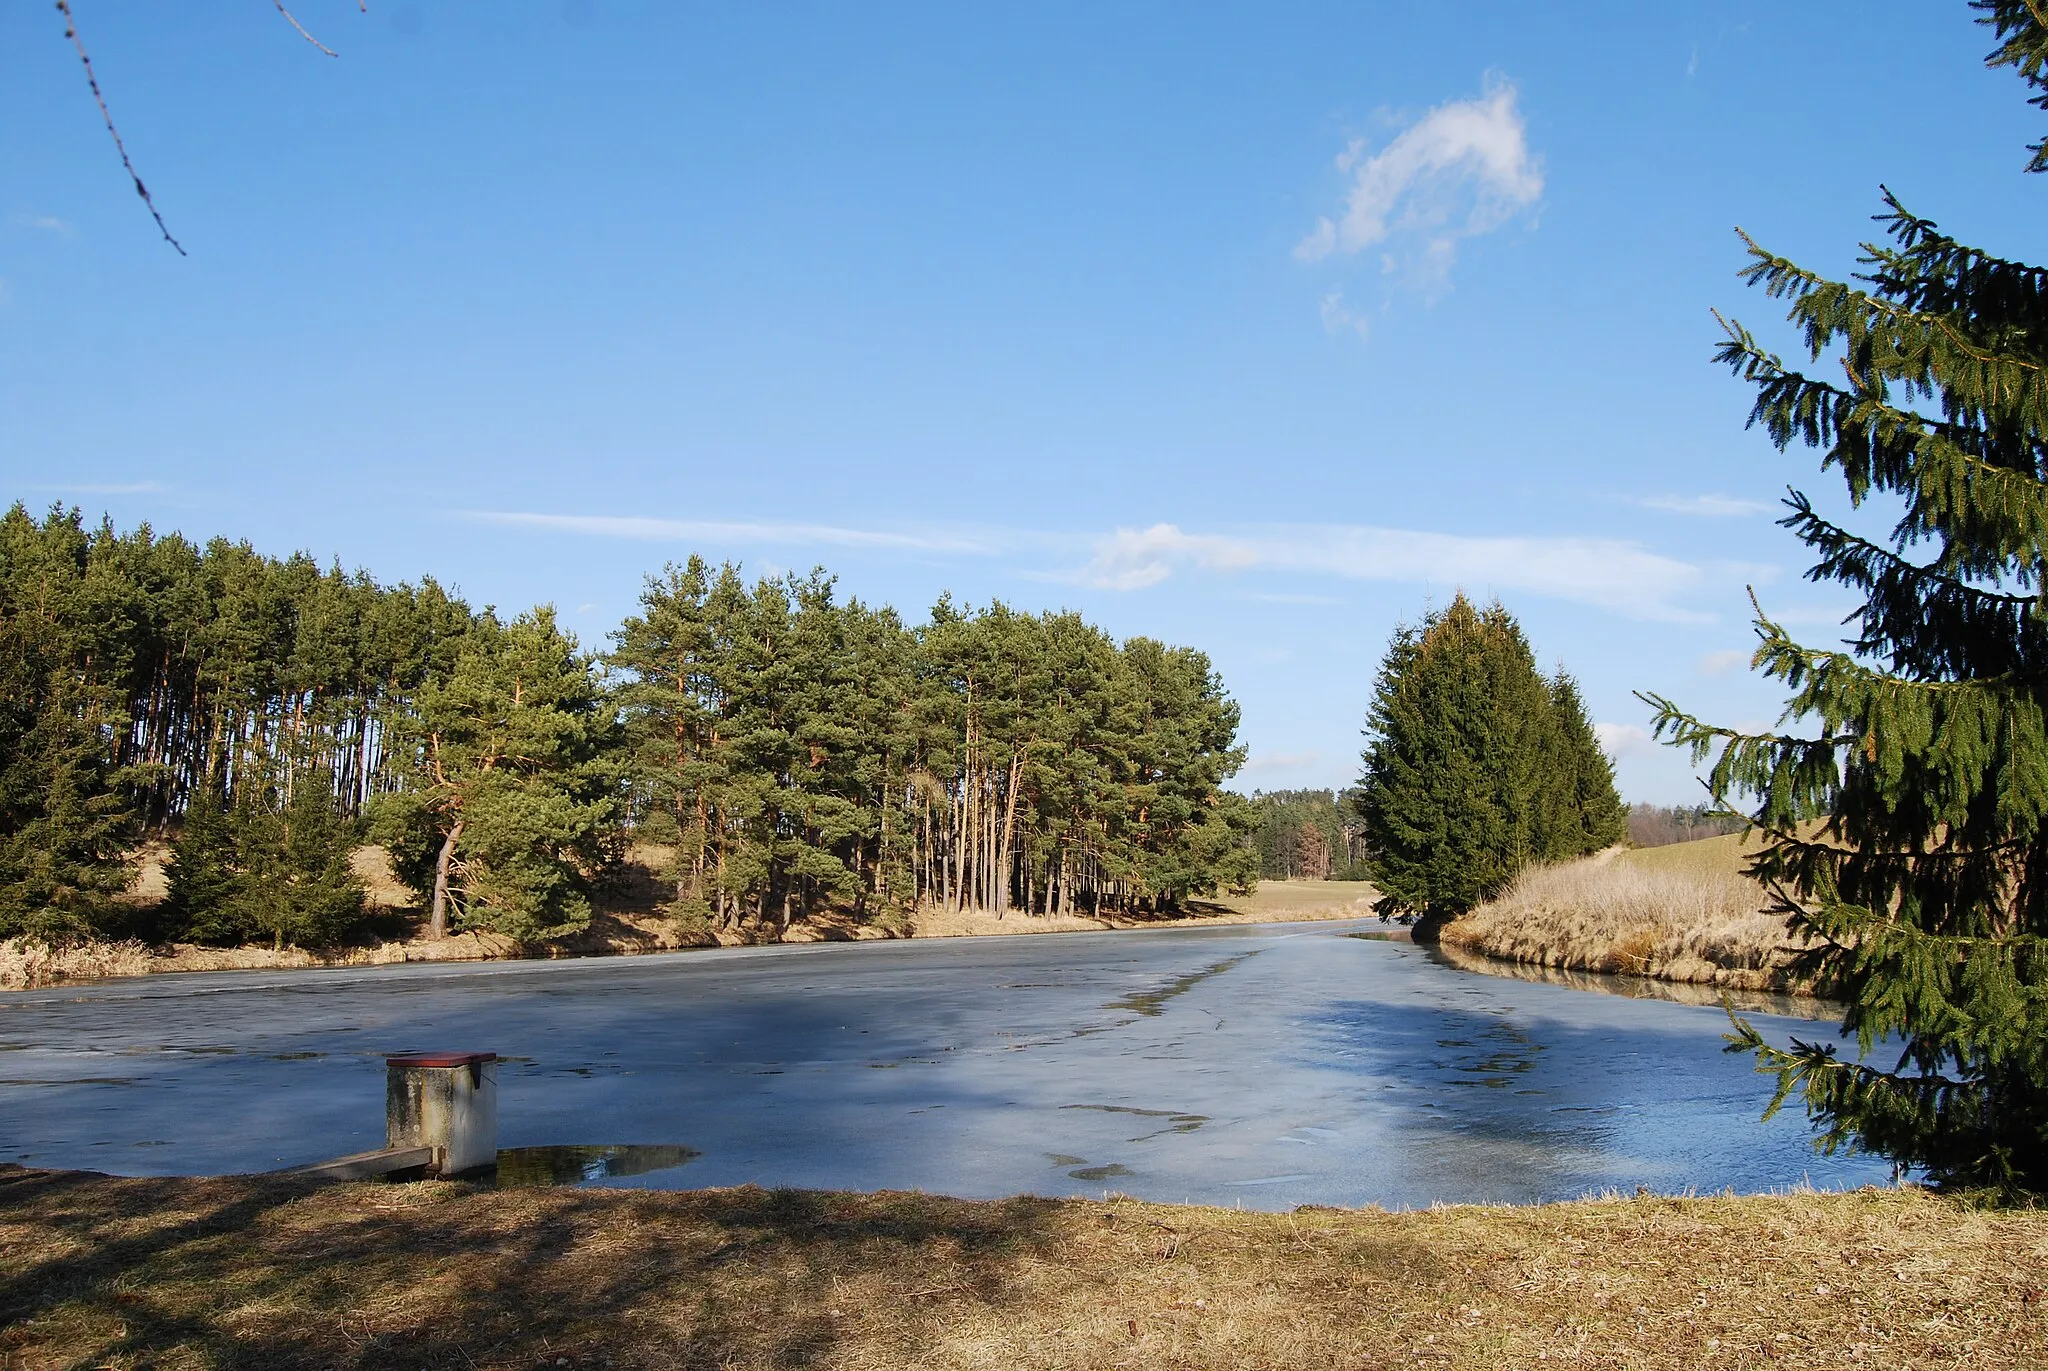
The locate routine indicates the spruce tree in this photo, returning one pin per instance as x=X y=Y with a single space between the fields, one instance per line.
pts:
x=1905 y=820
x=207 y=884
x=1584 y=813
x=1458 y=742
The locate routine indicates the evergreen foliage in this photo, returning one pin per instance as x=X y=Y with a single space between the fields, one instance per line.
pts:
x=802 y=752
x=798 y=752
x=1311 y=835
x=279 y=872
x=506 y=811
x=63 y=822
x=1579 y=809
x=1475 y=766
x=1905 y=824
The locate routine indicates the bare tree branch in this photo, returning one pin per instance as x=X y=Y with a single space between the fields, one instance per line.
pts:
x=302 y=28
x=71 y=32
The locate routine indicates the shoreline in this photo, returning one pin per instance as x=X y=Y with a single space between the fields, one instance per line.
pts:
x=262 y=1271
x=621 y=934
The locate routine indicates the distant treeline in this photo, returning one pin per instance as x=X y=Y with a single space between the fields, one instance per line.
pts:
x=1660 y=825
x=794 y=751
x=1310 y=835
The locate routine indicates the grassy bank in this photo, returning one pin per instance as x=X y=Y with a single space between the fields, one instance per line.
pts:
x=1682 y=913
x=252 y=1273
x=633 y=921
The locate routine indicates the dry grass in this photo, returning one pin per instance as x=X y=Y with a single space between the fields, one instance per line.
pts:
x=1272 y=902
x=26 y=965
x=1681 y=913
x=255 y=1273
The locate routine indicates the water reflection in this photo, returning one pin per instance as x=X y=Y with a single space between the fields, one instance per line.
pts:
x=1638 y=987
x=522 y=1167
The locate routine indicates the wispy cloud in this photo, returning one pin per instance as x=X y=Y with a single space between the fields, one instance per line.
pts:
x=1338 y=317
x=1705 y=506
x=1275 y=597
x=1624 y=577
x=103 y=488
x=1461 y=170
x=1625 y=740
x=760 y=533
x=1722 y=662
x=48 y=223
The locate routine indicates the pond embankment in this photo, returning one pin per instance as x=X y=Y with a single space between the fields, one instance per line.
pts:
x=1684 y=913
x=260 y=1272
x=631 y=920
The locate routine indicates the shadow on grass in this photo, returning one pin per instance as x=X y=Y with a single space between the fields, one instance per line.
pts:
x=258 y=1273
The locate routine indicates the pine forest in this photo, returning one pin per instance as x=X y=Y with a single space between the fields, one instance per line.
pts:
x=794 y=751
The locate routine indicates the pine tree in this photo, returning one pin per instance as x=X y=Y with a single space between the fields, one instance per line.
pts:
x=1906 y=824
x=509 y=811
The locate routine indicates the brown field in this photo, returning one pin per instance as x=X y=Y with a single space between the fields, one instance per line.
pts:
x=1682 y=913
x=247 y=1272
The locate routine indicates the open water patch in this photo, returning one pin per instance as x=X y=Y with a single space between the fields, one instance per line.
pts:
x=1152 y=1003
x=522 y=1168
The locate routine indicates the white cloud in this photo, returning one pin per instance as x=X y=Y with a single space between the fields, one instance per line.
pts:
x=48 y=223
x=1706 y=506
x=1722 y=662
x=1621 y=576
x=1338 y=318
x=753 y=533
x=1626 y=740
x=1463 y=169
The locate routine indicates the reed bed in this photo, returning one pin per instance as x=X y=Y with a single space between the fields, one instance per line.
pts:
x=27 y=965
x=1680 y=916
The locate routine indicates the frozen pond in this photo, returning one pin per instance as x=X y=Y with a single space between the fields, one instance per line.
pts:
x=1267 y=1066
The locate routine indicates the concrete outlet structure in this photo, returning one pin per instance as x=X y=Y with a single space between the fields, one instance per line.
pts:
x=445 y=1101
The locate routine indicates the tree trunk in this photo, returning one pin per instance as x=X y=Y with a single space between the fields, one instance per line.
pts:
x=437 y=916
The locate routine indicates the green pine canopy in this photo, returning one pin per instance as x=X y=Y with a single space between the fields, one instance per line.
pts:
x=1905 y=814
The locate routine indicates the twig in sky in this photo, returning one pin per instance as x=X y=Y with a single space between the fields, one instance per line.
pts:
x=289 y=19
x=71 y=32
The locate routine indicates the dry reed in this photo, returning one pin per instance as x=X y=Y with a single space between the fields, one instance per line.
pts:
x=1691 y=917
x=25 y=965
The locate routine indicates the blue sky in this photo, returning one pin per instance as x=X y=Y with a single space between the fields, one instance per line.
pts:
x=1257 y=328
